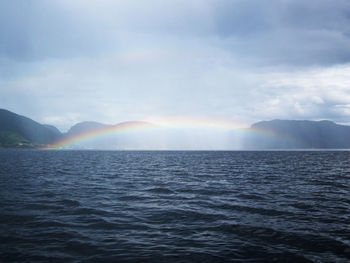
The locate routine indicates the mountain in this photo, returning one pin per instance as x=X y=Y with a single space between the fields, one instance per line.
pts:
x=86 y=126
x=110 y=137
x=292 y=134
x=17 y=130
x=53 y=129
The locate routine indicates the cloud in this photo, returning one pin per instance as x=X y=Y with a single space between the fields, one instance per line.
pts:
x=267 y=32
x=67 y=61
x=317 y=93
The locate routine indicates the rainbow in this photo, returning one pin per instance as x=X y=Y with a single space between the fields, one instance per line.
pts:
x=112 y=129
x=185 y=124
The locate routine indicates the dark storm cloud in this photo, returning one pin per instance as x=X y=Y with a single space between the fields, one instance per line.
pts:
x=286 y=32
x=256 y=16
x=36 y=30
x=242 y=60
x=266 y=32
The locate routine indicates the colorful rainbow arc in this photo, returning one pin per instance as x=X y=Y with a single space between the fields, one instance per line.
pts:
x=173 y=124
x=118 y=128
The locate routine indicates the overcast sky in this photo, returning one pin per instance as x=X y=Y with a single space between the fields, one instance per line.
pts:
x=67 y=61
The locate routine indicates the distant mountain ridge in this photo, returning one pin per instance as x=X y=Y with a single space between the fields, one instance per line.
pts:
x=86 y=126
x=291 y=134
x=18 y=131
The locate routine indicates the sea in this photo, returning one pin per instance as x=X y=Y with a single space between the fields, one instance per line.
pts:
x=174 y=206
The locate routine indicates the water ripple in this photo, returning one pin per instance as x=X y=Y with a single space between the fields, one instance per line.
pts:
x=95 y=206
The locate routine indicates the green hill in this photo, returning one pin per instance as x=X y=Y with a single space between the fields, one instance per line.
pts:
x=13 y=140
x=19 y=131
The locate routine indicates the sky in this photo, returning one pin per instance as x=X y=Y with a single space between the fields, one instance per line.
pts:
x=241 y=61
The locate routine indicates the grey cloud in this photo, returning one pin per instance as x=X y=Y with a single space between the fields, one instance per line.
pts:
x=286 y=32
x=263 y=32
x=38 y=30
x=259 y=16
x=115 y=60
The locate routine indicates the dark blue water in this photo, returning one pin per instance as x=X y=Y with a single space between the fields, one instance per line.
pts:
x=96 y=206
